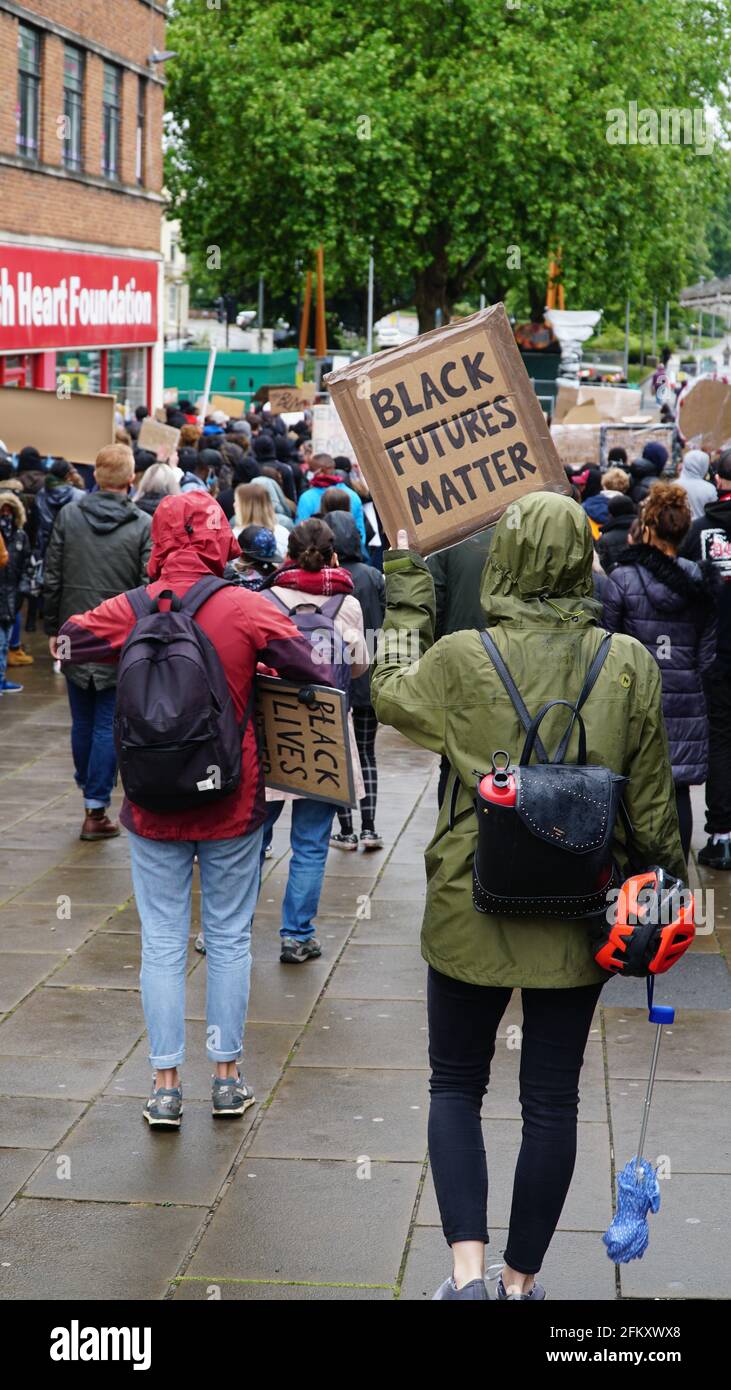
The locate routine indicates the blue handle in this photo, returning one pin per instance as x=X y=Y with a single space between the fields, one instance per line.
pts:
x=657 y=1013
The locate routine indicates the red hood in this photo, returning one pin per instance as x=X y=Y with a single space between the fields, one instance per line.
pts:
x=191 y=537
x=324 y=480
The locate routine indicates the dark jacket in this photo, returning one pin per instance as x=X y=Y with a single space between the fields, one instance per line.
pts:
x=18 y=548
x=98 y=548
x=150 y=502
x=668 y=606
x=643 y=473
x=709 y=540
x=457 y=575
x=52 y=498
x=369 y=587
x=613 y=540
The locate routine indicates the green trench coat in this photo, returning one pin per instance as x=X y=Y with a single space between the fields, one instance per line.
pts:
x=536 y=595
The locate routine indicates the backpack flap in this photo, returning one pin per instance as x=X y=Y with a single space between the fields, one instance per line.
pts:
x=571 y=807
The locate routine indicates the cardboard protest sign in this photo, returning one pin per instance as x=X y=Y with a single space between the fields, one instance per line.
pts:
x=230 y=405
x=72 y=427
x=447 y=430
x=580 y=444
x=610 y=402
x=283 y=399
x=705 y=414
x=305 y=747
x=161 y=440
x=170 y=395
x=328 y=434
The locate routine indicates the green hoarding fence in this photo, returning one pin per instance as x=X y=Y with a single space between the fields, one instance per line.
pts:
x=237 y=374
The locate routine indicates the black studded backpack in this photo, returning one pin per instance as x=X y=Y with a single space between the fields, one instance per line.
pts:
x=544 y=845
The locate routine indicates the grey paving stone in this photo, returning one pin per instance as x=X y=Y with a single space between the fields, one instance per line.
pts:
x=34 y=1122
x=16 y=1166
x=379 y=972
x=696 y=1047
x=589 y=1202
x=109 y=960
x=316 y=1221
x=701 y=981
x=28 y=929
x=341 y=1113
x=363 y=1033
x=575 y=1267
x=68 y=1078
x=266 y=1048
x=688 y=1252
x=92 y=1250
x=279 y=993
x=198 y=1290
x=356 y=864
x=20 y=973
x=115 y=1156
x=688 y=1123
x=393 y=928
x=73 y=1023
x=337 y=900
x=82 y=885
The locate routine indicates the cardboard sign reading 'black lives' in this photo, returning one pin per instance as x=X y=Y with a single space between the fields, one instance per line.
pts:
x=447 y=430
x=305 y=744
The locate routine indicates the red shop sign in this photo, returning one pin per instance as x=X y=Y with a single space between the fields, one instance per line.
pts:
x=69 y=299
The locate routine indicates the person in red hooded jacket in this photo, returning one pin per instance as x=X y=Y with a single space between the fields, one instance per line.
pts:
x=191 y=538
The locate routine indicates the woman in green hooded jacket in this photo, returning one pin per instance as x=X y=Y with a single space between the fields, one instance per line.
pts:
x=537 y=599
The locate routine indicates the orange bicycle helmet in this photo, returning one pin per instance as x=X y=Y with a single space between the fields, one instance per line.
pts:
x=653 y=926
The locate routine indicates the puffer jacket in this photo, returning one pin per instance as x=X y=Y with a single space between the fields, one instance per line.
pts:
x=369 y=588
x=52 y=498
x=536 y=597
x=98 y=548
x=188 y=544
x=18 y=548
x=668 y=606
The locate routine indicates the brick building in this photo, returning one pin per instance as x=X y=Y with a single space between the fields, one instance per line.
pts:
x=81 y=113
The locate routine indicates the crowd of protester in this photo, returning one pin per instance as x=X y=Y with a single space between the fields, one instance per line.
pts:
x=246 y=530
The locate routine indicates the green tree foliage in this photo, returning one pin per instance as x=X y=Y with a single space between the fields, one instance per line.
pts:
x=460 y=139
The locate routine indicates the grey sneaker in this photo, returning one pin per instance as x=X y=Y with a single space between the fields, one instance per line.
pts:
x=230 y=1097
x=344 y=840
x=536 y=1294
x=164 y=1108
x=475 y=1291
x=295 y=952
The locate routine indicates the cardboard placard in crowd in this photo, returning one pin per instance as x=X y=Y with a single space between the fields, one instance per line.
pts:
x=609 y=402
x=170 y=395
x=328 y=434
x=580 y=444
x=161 y=440
x=73 y=427
x=230 y=405
x=305 y=748
x=447 y=430
x=705 y=415
x=283 y=399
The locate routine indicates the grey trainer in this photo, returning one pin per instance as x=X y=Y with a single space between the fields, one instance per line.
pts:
x=536 y=1294
x=164 y=1108
x=475 y=1291
x=230 y=1097
x=295 y=952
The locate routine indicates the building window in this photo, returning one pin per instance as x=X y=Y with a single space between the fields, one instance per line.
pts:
x=73 y=105
x=141 y=116
x=29 y=90
x=111 y=120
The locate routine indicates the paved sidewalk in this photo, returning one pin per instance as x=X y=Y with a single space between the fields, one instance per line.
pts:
x=322 y=1190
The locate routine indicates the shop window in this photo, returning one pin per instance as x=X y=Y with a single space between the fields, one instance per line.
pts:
x=29 y=90
x=127 y=377
x=111 y=120
x=79 y=371
x=73 y=105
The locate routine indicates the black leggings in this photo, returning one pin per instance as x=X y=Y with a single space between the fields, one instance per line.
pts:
x=685 y=816
x=463 y=1022
x=365 y=725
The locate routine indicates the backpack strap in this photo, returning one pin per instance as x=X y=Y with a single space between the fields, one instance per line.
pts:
x=139 y=601
x=201 y=591
x=274 y=598
x=586 y=689
x=512 y=689
x=331 y=607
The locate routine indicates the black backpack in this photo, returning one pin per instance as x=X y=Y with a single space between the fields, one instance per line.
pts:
x=547 y=849
x=175 y=728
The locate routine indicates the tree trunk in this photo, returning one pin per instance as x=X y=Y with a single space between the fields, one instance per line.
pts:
x=431 y=293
